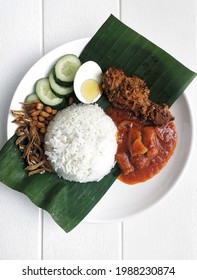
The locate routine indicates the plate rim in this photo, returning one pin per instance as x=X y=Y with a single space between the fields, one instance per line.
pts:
x=166 y=194
x=172 y=187
x=86 y=39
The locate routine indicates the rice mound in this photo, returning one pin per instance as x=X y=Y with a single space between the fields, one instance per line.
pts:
x=80 y=143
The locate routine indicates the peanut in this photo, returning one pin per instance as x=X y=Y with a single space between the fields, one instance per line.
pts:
x=35 y=113
x=49 y=118
x=41 y=119
x=35 y=118
x=40 y=125
x=54 y=112
x=39 y=106
x=41 y=115
x=48 y=109
x=30 y=111
x=44 y=114
x=43 y=130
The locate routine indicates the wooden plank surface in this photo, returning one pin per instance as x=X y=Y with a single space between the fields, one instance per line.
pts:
x=20 y=48
x=65 y=20
x=169 y=230
x=87 y=241
x=29 y=29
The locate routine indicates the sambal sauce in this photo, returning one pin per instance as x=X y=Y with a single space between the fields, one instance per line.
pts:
x=142 y=150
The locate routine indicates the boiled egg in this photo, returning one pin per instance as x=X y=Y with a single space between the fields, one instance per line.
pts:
x=87 y=82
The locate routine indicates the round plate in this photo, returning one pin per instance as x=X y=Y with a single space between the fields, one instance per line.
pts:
x=121 y=201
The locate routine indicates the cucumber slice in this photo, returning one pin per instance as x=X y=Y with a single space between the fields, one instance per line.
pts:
x=58 y=90
x=31 y=97
x=45 y=93
x=66 y=68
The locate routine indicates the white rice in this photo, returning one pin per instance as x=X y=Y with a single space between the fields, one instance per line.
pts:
x=80 y=143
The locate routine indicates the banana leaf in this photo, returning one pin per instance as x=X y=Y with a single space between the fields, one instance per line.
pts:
x=67 y=202
x=117 y=45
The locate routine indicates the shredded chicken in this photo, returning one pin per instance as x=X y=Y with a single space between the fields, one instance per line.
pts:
x=131 y=93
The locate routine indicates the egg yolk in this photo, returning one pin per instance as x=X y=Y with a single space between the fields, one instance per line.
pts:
x=90 y=90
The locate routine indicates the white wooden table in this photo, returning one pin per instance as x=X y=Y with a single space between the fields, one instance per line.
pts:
x=28 y=30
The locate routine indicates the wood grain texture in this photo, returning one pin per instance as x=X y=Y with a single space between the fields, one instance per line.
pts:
x=28 y=29
x=19 y=232
x=169 y=24
x=87 y=241
x=66 y=20
x=20 y=48
x=169 y=230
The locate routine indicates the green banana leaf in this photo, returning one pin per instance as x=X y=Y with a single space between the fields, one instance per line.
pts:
x=117 y=45
x=67 y=202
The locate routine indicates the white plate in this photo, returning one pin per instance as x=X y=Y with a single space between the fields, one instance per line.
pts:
x=121 y=201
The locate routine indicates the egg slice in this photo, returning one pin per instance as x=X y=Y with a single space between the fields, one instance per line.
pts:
x=87 y=82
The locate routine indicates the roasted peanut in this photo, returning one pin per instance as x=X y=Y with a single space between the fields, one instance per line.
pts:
x=41 y=119
x=44 y=114
x=43 y=130
x=48 y=109
x=49 y=118
x=54 y=112
x=35 y=113
x=35 y=118
x=40 y=115
x=40 y=125
x=39 y=106
x=30 y=111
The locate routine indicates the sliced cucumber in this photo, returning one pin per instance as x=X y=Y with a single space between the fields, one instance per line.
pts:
x=66 y=68
x=58 y=90
x=45 y=93
x=31 y=97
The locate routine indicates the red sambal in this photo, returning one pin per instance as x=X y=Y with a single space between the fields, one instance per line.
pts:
x=142 y=150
